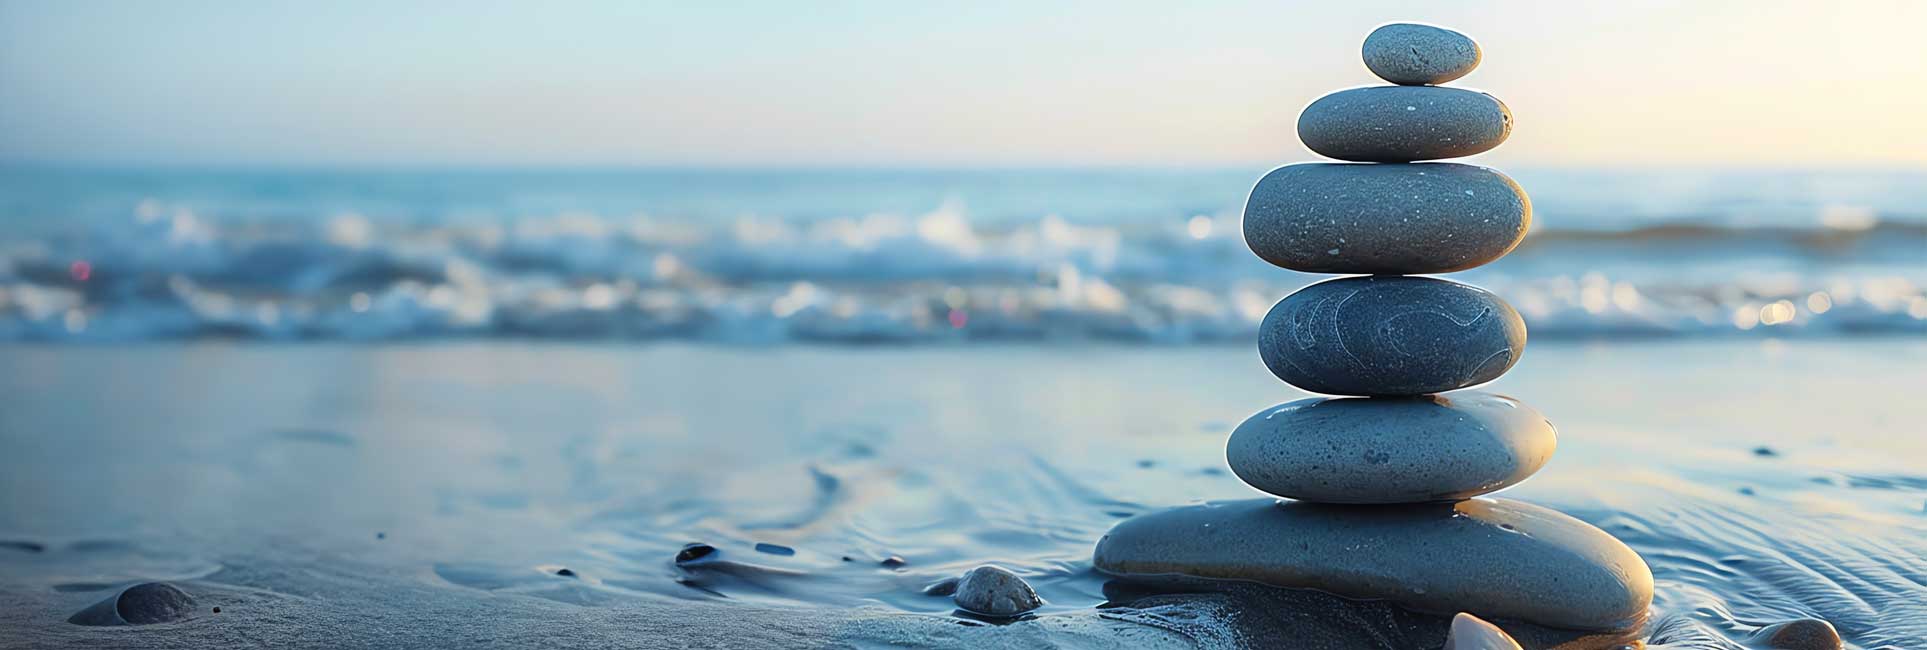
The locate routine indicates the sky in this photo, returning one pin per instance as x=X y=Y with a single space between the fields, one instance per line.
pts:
x=883 y=83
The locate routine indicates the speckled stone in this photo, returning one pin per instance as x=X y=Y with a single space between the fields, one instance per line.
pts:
x=1410 y=54
x=1390 y=336
x=1494 y=558
x=1404 y=123
x=1798 y=634
x=1394 y=219
x=994 y=591
x=142 y=604
x=1391 y=449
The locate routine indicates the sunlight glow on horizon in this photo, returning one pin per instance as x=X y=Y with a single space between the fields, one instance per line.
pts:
x=875 y=83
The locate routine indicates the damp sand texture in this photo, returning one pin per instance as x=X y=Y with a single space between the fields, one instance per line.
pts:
x=428 y=495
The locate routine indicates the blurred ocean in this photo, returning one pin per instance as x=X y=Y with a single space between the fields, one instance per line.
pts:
x=771 y=256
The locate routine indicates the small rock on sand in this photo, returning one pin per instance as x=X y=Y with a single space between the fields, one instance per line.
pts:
x=944 y=587
x=1497 y=558
x=1799 y=634
x=994 y=591
x=695 y=553
x=143 y=604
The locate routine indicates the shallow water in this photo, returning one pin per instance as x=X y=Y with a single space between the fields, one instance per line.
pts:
x=895 y=257
x=367 y=491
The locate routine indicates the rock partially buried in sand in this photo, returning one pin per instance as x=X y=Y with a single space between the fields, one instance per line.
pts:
x=1468 y=632
x=1404 y=124
x=1391 y=449
x=1390 y=335
x=1410 y=54
x=143 y=604
x=1392 y=219
x=993 y=591
x=1495 y=558
x=1800 y=634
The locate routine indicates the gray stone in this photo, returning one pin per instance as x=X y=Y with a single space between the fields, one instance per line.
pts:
x=994 y=591
x=1404 y=123
x=1469 y=632
x=1391 y=449
x=1798 y=634
x=142 y=604
x=1394 y=219
x=1409 y=54
x=1495 y=558
x=1390 y=336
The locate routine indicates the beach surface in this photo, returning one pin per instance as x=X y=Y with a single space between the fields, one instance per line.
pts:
x=428 y=494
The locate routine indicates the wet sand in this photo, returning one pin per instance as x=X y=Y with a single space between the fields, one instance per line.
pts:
x=426 y=495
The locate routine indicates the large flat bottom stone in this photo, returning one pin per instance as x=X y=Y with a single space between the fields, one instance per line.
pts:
x=1495 y=558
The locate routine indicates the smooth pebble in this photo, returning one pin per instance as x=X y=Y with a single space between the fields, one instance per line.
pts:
x=142 y=604
x=1495 y=558
x=1799 y=634
x=994 y=591
x=1390 y=336
x=1391 y=449
x=1392 y=219
x=1411 y=54
x=1404 y=123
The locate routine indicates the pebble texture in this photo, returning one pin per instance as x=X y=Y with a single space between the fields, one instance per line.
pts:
x=1494 y=558
x=1411 y=55
x=1468 y=632
x=1390 y=336
x=994 y=591
x=1393 y=219
x=1391 y=449
x=142 y=604
x=1798 y=634
x=1403 y=123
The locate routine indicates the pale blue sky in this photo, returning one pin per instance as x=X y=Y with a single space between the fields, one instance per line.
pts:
x=891 y=82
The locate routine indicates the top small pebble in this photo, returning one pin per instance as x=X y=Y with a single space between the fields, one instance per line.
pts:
x=1409 y=54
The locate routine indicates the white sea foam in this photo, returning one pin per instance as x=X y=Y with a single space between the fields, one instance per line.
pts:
x=887 y=278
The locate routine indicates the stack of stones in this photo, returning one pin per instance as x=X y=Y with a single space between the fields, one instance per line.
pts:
x=1380 y=485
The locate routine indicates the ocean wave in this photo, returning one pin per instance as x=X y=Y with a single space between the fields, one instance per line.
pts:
x=930 y=278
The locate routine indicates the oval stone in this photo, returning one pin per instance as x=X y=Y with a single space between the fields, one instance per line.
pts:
x=1403 y=123
x=1390 y=336
x=1395 y=219
x=1410 y=54
x=1391 y=449
x=1494 y=558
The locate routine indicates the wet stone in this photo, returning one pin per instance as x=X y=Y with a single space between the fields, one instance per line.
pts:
x=143 y=604
x=1391 y=219
x=994 y=591
x=1494 y=558
x=696 y=553
x=1404 y=124
x=1391 y=449
x=944 y=587
x=1799 y=634
x=1410 y=54
x=1390 y=336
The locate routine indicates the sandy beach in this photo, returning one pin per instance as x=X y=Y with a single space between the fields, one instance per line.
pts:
x=426 y=494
